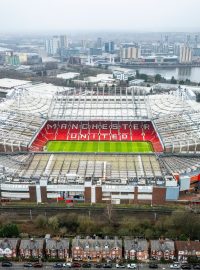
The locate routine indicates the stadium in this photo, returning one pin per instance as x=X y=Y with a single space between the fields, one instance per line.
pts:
x=100 y=145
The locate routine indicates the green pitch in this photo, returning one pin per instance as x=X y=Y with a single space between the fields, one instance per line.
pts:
x=98 y=146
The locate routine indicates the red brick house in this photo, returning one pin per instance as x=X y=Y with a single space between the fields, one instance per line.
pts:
x=96 y=250
x=31 y=248
x=57 y=248
x=164 y=249
x=136 y=249
x=184 y=249
x=8 y=247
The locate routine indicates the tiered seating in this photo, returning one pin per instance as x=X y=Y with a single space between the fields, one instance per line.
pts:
x=97 y=131
x=57 y=168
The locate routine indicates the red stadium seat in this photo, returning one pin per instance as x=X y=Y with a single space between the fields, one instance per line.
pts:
x=97 y=131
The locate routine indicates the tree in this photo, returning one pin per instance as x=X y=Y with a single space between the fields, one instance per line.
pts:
x=144 y=77
x=86 y=225
x=173 y=80
x=182 y=82
x=41 y=221
x=69 y=221
x=109 y=211
x=9 y=230
x=53 y=223
x=158 y=78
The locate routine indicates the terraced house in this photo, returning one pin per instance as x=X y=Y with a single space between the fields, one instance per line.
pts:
x=185 y=249
x=96 y=250
x=57 y=248
x=31 y=248
x=162 y=249
x=136 y=249
x=8 y=247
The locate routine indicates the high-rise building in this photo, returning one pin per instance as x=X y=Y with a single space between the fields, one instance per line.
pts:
x=64 y=41
x=188 y=39
x=130 y=51
x=196 y=41
x=185 y=54
x=99 y=42
x=109 y=47
x=95 y=51
x=52 y=45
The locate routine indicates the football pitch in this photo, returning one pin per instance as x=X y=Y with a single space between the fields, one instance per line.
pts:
x=99 y=147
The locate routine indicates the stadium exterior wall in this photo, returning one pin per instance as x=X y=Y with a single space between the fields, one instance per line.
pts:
x=91 y=193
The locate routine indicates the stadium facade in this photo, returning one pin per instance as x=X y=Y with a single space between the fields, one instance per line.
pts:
x=36 y=114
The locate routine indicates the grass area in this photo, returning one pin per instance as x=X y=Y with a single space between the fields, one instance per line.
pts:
x=99 y=147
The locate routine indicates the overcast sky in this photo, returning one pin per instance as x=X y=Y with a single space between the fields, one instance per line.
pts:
x=130 y=15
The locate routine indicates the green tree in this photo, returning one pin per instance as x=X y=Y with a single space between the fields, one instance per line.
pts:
x=137 y=75
x=173 y=80
x=9 y=230
x=158 y=78
x=53 y=223
x=41 y=221
x=144 y=77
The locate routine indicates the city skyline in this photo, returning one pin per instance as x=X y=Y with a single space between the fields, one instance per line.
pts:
x=20 y=16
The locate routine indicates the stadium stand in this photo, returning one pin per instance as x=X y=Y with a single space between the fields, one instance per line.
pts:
x=181 y=165
x=139 y=169
x=96 y=131
x=180 y=132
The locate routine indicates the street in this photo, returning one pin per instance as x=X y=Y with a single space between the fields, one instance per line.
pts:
x=49 y=266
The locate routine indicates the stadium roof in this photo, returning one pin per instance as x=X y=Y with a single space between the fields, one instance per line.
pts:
x=89 y=105
x=10 y=83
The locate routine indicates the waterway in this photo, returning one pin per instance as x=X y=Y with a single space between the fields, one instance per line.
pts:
x=183 y=73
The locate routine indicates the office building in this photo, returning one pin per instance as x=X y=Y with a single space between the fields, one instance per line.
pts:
x=99 y=42
x=185 y=55
x=109 y=47
x=52 y=45
x=130 y=51
x=64 y=43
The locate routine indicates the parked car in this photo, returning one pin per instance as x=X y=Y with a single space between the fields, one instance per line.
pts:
x=6 y=264
x=132 y=265
x=107 y=265
x=120 y=265
x=28 y=264
x=58 y=265
x=186 y=266
x=175 y=266
x=196 y=266
x=67 y=265
x=38 y=265
x=86 y=265
x=153 y=265
x=76 y=265
x=98 y=265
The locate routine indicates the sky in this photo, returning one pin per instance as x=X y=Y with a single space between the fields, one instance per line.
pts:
x=32 y=16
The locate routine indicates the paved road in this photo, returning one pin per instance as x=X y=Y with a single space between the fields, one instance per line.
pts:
x=49 y=266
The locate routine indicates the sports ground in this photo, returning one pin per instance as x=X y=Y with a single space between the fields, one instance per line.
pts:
x=99 y=147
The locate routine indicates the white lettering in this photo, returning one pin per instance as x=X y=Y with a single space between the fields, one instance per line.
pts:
x=124 y=137
x=114 y=126
x=73 y=136
x=85 y=126
x=94 y=126
x=104 y=126
x=74 y=126
x=83 y=136
x=146 y=126
x=125 y=126
x=114 y=137
x=63 y=126
x=135 y=126
x=53 y=126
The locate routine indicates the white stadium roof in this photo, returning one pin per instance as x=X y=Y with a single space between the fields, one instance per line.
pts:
x=11 y=83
